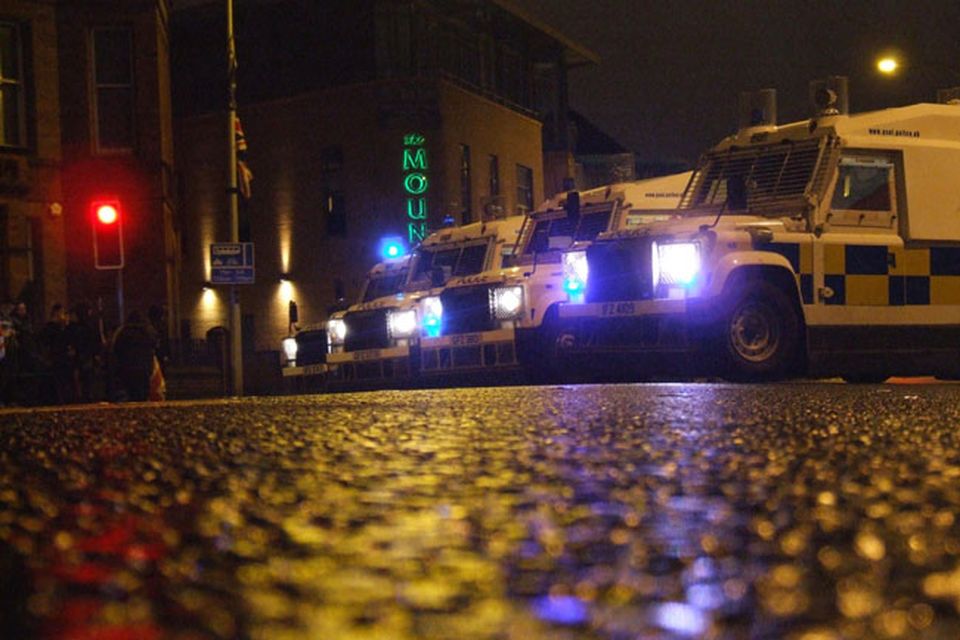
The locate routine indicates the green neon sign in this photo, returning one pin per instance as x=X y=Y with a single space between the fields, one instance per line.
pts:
x=415 y=159
x=416 y=208
x=415 y=184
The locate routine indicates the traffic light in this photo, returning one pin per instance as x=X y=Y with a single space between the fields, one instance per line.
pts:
x=107 y=220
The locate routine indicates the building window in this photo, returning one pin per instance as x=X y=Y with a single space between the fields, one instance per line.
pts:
x=12 y=123
x=17 y=267
x=466 y=192
x=524 y=189
x=494 y=163
x=113 y=88
x=336 y=213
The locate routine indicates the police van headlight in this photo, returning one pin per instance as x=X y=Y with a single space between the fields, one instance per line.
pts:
x=507 y=302
x=575 y=271
x=336 y=331
x=676 y=264
x=402 y=324
x=432 y=313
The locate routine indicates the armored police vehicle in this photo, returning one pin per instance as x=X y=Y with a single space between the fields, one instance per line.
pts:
x=376 y=343
x=505 y=319
x=829 y=246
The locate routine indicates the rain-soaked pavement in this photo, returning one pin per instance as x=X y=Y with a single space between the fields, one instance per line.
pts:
x=802 y=511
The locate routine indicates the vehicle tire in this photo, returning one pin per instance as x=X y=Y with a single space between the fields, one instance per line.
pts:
x=543 y=363
x=759 y=331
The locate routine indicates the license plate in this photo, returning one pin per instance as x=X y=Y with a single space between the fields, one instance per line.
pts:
x=618 y=309
x=313 y=369
x=466 y=340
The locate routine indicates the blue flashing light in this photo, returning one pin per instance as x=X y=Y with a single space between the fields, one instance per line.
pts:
x=432 y=313
x=572 y=286
x=392 y=248
x=432 y=326
x=575 y=289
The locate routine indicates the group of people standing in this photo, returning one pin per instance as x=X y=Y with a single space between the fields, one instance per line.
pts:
x=72 y=359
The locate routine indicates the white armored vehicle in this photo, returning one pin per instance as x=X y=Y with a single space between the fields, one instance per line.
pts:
x=376 y=343
x=829 y=246
x=505 y=319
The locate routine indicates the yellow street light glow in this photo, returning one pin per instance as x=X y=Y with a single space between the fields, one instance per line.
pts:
x=887 y=65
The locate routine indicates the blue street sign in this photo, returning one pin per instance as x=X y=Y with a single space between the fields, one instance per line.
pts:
x=231 y=263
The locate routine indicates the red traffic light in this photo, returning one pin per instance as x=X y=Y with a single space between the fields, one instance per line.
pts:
x=107 y=213
x=106 y=219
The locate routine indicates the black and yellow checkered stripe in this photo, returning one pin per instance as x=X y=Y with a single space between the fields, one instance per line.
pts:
x=878 y=274
x=800 y=257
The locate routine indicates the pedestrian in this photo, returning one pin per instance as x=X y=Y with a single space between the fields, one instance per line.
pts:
x=85 y=347
x=56 y=359
x=6 y=354
x=134 y=349
x=158 y=320
x=25 y=363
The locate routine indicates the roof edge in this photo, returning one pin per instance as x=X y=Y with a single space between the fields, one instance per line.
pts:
x=585 y=55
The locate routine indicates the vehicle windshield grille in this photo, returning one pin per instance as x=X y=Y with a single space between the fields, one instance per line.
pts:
x=593 y=225
x=366 y=330
x=455 y=261
x=772 y=176
x=620 y=270
x=593 y=220
x=471 y=260
x=385 y=286
x=311 y=347
x=466 y=310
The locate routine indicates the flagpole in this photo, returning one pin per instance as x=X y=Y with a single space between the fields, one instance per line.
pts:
x=236 y=343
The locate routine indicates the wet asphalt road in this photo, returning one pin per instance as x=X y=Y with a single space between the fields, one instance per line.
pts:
x=805 y=511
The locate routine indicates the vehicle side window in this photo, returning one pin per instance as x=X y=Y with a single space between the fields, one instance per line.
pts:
x=424 y=265
x=862 y=188
x=863 y=193
x=541 y=238
x=446 y=258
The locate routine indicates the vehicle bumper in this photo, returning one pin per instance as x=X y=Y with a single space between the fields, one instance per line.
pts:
x=304 y=378
x=305 y=370
x=641 y=334
x=370 y=365
x=479 y=351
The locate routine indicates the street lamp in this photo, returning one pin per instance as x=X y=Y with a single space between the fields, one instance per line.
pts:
x=888 y=65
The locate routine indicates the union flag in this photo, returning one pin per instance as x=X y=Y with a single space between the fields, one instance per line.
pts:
x=244 y=174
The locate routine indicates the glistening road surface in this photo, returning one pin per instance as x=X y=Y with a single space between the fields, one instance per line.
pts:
x=807 y=511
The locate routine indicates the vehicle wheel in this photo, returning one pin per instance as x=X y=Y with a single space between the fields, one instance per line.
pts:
x=759 y=332
x=542 y=361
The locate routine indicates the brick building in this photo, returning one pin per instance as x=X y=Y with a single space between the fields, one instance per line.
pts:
x=365 y=119
x=86 y=114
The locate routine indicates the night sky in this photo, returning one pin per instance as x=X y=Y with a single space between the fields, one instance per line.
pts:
x=671 y=71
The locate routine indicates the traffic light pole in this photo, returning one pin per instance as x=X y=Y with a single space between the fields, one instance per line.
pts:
x=236 y=343
x=123 y=315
